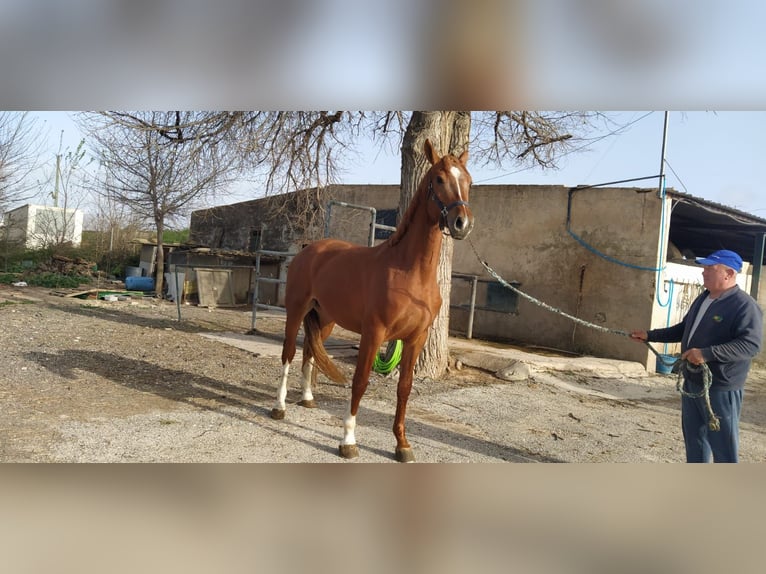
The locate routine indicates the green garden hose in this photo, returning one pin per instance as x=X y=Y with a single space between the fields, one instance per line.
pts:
x=387 y=362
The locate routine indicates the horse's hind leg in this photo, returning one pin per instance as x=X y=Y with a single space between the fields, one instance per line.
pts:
x=308 y=376
x=278 y=412
x=292 y=324
x=309 y=371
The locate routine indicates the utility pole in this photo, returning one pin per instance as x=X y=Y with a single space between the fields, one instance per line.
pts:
x=56 y=185
x=661 y=190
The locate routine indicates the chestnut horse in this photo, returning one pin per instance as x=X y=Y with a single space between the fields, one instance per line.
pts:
x=384 y=293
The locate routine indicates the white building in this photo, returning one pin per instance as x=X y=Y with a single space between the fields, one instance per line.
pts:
x=37 y=226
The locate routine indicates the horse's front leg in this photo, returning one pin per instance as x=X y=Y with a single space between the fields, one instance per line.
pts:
x=292 y=324
x=367 y=350
x=410 y=352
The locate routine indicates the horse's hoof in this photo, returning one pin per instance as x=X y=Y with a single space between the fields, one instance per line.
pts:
x=405 y=455
x=277 y=414
x=312 y=404
x=348 y=450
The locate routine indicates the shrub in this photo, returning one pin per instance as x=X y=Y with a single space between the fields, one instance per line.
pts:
x=56 y=280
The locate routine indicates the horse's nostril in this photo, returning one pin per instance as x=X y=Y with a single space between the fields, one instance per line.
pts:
x=459 y=224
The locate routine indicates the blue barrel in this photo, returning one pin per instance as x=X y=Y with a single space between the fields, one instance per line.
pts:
x=662 y=367
x=139 y=283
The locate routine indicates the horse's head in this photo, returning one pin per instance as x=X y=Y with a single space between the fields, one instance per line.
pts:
x=449 y=184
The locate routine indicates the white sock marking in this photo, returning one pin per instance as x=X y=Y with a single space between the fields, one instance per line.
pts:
x=282 y=389
x=349 y=424
x=308 y=367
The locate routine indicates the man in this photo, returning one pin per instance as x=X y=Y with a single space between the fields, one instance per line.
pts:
x=723 y=329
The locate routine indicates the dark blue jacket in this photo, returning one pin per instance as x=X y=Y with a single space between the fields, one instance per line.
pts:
x=729 y=336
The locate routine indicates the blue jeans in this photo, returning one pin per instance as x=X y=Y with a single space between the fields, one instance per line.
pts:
x=701 y=442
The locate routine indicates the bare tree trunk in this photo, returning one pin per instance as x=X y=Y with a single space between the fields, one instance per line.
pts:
x=159 y=275
x=449 y=132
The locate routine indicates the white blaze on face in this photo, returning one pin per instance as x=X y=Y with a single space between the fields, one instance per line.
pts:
x=456 y=174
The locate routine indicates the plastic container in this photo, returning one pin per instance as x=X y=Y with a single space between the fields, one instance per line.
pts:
x=139 y=283
x=662 y=367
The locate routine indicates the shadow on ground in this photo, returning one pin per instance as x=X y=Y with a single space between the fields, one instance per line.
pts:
x=214 y=395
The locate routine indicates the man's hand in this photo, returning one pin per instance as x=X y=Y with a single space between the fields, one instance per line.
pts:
x=694 y=356
x=639 y=336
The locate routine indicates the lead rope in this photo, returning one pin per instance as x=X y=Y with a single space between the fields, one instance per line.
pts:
x=714 y=423
x=679 y=365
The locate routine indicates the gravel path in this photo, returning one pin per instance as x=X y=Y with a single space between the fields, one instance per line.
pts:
x=125 y=381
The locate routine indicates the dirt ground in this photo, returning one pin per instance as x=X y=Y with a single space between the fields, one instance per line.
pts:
x=126 y=381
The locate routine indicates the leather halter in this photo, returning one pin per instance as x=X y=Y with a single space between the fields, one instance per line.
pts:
x=443 y=209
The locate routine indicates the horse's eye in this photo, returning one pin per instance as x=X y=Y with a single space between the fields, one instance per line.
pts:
x=439 y=179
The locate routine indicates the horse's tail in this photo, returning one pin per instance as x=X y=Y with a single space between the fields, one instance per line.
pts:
x=313 y=343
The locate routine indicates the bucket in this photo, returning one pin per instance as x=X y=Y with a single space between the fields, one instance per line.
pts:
x=139 y=283
x=662 y=367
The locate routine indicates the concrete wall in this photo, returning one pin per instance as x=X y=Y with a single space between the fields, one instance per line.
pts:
x=353 y=224
x=233 y=226
x=37 y=226
x=521 y=232
x=16 y=222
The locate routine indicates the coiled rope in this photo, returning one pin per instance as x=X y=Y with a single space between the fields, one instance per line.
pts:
x=386 y=362
x=678 y=365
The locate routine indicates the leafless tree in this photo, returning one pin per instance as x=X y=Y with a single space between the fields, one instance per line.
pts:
x=20 y=146
x=307 y=149
x=529 y=137
x=160 y=165
x=114 y=224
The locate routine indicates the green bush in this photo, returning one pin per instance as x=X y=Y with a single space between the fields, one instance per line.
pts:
x=8 y=278
x=33 y=267
x=55 y=280
x=47 y=279
x=175 y=236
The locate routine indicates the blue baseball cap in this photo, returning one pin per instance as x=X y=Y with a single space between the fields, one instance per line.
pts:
x=722 y=257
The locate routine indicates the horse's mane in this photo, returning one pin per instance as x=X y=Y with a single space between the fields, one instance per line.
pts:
x=404 y=224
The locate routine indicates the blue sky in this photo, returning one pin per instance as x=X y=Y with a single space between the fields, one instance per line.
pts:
x=713 y=155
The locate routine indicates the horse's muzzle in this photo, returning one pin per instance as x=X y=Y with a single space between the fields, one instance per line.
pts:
x=457 y=217
x=460 y=223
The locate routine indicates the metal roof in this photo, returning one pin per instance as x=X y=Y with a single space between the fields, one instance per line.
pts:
x=699 y=227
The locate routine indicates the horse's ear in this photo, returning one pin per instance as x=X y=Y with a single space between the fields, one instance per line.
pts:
x=431 y=154
x=463 y=157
